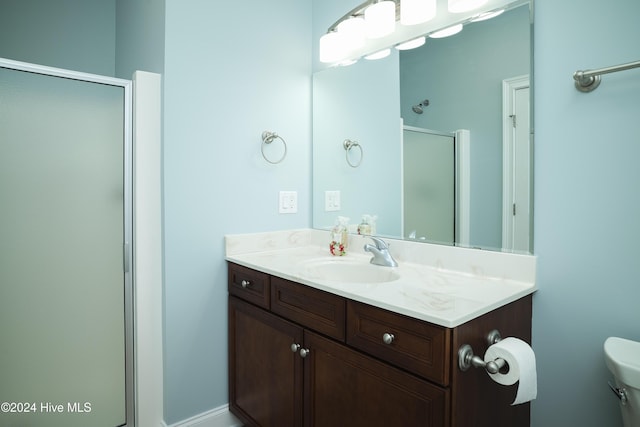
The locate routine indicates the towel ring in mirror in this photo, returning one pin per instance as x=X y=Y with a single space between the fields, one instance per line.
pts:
x=268 y=138
x=348 y=145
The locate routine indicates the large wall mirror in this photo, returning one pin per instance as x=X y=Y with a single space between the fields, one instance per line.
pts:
x=434 y=142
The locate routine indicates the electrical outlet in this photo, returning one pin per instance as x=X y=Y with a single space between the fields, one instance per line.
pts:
x=332 y=200
x=288 y=202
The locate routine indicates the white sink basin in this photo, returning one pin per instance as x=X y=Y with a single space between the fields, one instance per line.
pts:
x=347 y=271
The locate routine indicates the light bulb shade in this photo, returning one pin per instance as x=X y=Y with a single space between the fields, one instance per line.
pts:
x=380 y=19
x=353 y=32
x=331 y=48
x=449 y=31
x=412 y=44
x=379 y=54
x=347 y=62
x=414 y=12
x=459 y=6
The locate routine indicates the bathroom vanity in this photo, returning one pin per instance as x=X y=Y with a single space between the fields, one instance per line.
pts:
x=305 y=351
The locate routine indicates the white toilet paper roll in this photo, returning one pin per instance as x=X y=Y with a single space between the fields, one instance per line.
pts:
x=522 y=367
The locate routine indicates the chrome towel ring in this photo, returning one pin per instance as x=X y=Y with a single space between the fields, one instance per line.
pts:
x=348 y=145
x=267 y=138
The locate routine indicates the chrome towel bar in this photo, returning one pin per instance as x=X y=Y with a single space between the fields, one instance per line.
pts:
x=588 y=80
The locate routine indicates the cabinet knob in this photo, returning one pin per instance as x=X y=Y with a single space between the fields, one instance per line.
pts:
x=245 y=283
x=295 y=347
x=304 y=352
x=388 y=338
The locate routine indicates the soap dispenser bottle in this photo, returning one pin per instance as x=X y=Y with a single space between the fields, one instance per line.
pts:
x=339 y=237
x=364 y=228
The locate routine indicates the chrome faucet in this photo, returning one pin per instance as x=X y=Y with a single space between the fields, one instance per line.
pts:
x=380 y=251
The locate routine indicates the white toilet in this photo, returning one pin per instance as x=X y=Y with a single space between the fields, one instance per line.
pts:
x=622 y=357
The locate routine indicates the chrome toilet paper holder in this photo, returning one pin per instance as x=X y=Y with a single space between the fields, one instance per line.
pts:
x=467 y=359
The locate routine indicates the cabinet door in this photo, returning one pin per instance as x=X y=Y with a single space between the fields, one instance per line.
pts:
x=265 y=376
x=346 y=387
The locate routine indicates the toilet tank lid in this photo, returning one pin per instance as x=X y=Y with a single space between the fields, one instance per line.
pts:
x=622 y=357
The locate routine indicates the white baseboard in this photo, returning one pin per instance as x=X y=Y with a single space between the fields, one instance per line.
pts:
x=217 y=417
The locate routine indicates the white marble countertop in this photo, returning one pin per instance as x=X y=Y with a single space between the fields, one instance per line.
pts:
x=426 y=290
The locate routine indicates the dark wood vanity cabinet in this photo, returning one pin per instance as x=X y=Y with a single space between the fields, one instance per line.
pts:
x=299 y=356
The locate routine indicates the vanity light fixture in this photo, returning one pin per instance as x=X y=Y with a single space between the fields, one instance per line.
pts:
x=449 y=31
x=487 y=15
x=377 y=19
x=379 y=54
x=459 y=6
x=414 y=12
x=331 y=47
x=352 y=31
x=380 y=19
x=347 y=62
x=412 y=44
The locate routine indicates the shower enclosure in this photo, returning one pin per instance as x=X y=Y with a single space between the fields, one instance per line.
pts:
x=428 y=177
x=65 y=237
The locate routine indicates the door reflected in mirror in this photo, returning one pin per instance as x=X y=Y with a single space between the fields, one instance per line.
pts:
x=477 y=81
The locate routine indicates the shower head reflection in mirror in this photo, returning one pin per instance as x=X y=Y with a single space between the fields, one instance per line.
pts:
x=419 y=109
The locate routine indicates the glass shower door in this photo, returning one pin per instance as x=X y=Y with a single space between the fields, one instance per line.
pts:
x=63 y=224
x=428 y=185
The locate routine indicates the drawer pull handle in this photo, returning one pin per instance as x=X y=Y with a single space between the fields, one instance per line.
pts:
x=304 y=352
x=388 y=338
x=295 y=347
x=245 y=283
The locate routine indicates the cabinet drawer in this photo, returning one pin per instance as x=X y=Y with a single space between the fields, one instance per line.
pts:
x=248 y=284
x=411 y=344
x=315 y=309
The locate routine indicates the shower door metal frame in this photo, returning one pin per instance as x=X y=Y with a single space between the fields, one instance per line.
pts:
x=127 y=249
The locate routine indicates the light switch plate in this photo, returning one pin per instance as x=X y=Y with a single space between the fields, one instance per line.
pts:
x=332 y=200
x=288 y=202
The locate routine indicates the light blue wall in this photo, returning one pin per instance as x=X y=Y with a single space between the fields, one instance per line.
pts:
x=462 y=76
x=72 y=34
x=232 y=70
x=345 y=106
x=139 y=37
x=587 y=206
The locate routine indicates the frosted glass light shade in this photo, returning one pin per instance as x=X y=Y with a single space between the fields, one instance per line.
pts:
x=411 y=44
x=380 y=19
x=353 y=32
x=378 y=55
x=414 y=12
x=331 y=48
x=347 y=62
x=449 y=31
x=459 y=6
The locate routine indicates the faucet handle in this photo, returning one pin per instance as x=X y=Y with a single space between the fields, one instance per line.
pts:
x=380 y=244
